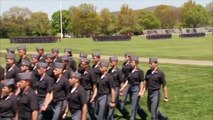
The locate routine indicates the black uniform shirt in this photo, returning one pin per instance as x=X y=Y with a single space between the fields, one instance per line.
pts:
x=77 y=99
x=117 y=76
x=41 y=58
x=136 y=77
x=96 y=70
x=8 y=106
x=28 y=102
x=67 y=72
x=45 y=85
x=155 y=79
x=12 y=73
x=60 y=89
x=50 y=70
x=105 y=84
x=88 y=79
x=126 y=69
x=72 y=64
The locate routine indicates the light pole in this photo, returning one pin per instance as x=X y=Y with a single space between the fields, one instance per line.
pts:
x=61 y=21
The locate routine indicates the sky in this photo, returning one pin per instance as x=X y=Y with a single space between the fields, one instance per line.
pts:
x=50 y=6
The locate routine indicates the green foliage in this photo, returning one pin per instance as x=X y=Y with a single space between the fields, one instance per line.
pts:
x=56 y=24
x=148 y=20
x=127 y=21
x=107 y=25
x=39 y=24
x=166 y=16
x=85 y=20
x=195 y=17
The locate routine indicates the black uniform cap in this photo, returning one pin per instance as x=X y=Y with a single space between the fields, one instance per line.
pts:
x=96 y=54
x=153 y=59
x=83 y=55
x=104 y=64
x=11 y=50
x=134 y=58
x=128 y=54
x=36 y=56
x=25 y=76
x=8 y=82
x=39 y=48
x=50 y=55
x=25 y=63
x=55 y=50
x=85 y=60
x=67 y=50
x=113 y=58
x=59 y=65
x=22 y=47
x=42 y=64
x=10 y=56
x=75 y=75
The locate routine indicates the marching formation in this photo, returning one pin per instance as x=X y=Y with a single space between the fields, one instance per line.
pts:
x=53 y=87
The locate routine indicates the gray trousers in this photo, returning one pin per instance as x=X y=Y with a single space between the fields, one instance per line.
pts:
x=112 y=110
x=90 y=105
x=59 y=109
x=7 y=118
x=76 y=115
x=134 y=91
x=122 y=102
x=101 y=107
x=153 y=104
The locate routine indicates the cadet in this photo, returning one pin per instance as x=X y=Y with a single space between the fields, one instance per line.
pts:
x=155 y=78
x=77 y=98
x=117 y=76
x=81 y=55
x=126 y=69
x=34 y=61
x=26 y=67
x=12 y=68
x=45 y=93
x=50 y=68
x=60 y=90
x=72 y=62
x=41 y=56
x=88 y=82
x=105 y=87
x=135 y=80
x=96 y=66
x=28 y=100
x=55 y=52
x=22 y=51
x=66 y=72
x=8 y=102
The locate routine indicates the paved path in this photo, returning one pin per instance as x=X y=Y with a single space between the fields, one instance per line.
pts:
x=161 y=60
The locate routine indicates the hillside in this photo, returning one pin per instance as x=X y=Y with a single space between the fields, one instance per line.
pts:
x=150 y=9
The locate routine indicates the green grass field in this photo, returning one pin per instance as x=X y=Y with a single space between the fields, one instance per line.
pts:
x=180 y=48
x=190 y=87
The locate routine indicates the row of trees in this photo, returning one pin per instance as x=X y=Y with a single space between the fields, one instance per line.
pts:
x=84 y=20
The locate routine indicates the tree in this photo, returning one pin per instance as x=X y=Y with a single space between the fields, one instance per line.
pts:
x=39 y=24
x=195 y=17
x=85 y=20
x=107 y=22
x=56 y=23
x=148 y=20
x=127 y=21
x=15 y=21
x=209 y=8
x=166 y=15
